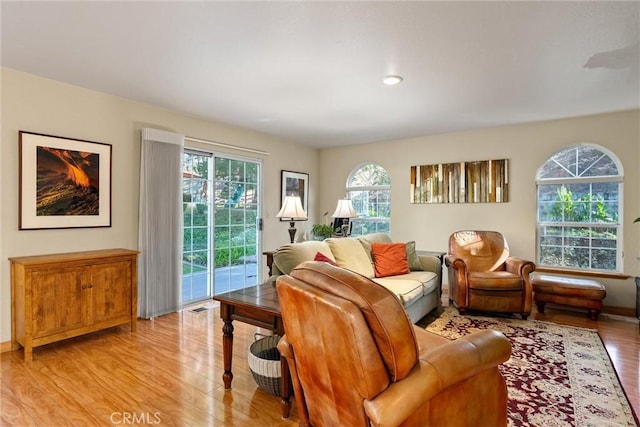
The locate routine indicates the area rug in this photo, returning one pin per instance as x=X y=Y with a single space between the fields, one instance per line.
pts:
x=557 y=375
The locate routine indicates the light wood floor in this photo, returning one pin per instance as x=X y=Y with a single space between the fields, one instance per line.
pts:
x=169 y=373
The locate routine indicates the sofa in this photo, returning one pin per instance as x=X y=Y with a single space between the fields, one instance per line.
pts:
x=416 y=281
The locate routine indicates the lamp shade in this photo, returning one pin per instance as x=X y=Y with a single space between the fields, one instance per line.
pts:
x=344 y=209
x=292 y=209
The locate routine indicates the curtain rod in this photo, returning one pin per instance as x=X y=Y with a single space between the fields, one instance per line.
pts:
x=220 y=144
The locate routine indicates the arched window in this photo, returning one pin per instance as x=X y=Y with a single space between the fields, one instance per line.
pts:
x=368 y=187
x=579 y=205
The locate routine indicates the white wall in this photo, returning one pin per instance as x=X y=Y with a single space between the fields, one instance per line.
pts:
x=526 y=146
x=40 y=105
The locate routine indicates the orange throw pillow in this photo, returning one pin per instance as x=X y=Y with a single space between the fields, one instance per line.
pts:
x=389 y=259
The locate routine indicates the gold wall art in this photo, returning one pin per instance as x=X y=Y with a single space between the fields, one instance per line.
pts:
x=485 y=181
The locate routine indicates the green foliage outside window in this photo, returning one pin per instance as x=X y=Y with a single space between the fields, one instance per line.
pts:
x=234 y=198
x=585 y=208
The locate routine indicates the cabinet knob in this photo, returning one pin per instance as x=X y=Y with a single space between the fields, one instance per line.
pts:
x=84 y=286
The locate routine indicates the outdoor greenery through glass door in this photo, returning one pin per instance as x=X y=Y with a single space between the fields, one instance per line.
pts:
x=220 y=229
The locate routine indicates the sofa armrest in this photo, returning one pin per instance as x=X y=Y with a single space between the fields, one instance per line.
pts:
x=436 y=370
x=430 y=263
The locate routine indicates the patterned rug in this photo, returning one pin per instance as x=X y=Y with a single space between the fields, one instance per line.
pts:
x=557 y=375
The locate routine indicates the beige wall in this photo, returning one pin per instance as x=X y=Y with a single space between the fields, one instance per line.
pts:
x=527 y=147
x=40 y=105
x=45 y=106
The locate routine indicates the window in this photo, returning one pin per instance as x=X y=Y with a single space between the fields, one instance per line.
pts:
x=579 y=204
x=368 y=187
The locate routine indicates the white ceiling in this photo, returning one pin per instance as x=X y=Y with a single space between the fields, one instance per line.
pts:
x=311 y=71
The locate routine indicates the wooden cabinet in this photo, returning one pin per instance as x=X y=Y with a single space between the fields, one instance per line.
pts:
x=61 y=296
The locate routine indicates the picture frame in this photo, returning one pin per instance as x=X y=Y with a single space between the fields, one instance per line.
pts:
x=63 y=182
x=295 y=184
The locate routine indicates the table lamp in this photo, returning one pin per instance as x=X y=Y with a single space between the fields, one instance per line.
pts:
x=345 y=211
x=292 y=211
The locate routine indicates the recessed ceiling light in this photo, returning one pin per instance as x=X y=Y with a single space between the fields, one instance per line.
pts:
x=391 y=80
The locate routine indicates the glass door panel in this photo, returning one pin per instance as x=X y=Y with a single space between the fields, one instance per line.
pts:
x=196 y=268
x=220 y=251
x=236 y=225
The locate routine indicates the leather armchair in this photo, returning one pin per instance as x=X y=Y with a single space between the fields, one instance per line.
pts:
x=357 y=360
x=483 y=276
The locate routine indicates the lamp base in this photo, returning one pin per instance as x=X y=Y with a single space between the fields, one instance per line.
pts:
x=345 y=227
x=292 y=231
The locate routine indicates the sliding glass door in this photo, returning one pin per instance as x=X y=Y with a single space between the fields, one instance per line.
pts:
x=221 y=234
x=236 y=224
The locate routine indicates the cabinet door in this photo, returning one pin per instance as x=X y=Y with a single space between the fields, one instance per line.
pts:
x=111 y=291
x=58 y=300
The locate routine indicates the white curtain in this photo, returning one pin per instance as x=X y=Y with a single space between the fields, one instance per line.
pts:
x=160 y=224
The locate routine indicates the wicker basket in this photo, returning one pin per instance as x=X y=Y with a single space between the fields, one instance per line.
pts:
x=264 y=363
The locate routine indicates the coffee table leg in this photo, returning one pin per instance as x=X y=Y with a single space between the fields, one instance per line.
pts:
x=285 y=402
x=227 y=345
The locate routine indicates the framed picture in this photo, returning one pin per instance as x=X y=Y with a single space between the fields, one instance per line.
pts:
x=295 y=184
x=64 y=182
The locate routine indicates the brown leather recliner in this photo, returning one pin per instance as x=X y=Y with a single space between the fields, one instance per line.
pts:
x=357 y=360
x=482 y=275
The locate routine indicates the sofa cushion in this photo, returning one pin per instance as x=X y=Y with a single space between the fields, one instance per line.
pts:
x=350 y=254
x=389 y=259
x=412 y=257
x=288 y=256
x=407 y=290
x=370 y=238
x=428 y=279
x=376 y=238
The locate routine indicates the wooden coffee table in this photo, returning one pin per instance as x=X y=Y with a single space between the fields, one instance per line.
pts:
x=258 y=306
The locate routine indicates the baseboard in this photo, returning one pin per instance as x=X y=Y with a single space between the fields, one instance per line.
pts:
x=6 y=346
x=620 y=311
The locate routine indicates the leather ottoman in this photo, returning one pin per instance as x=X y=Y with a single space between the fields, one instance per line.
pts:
x=581 y=293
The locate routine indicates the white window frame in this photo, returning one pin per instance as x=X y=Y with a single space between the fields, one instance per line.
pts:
x=619 y=178
x=377 y=188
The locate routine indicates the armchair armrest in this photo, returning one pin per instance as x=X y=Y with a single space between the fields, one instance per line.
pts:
x=457 y=274
x=455 y=263
x=446 y=365
x=519 y=266
x=523 y=268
